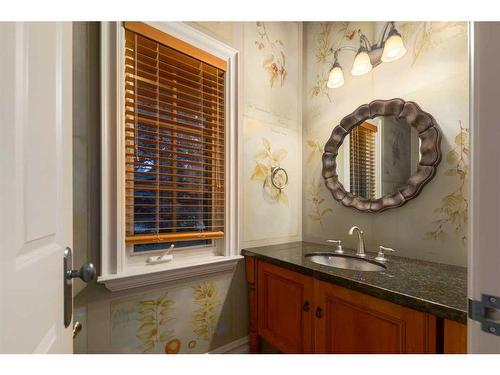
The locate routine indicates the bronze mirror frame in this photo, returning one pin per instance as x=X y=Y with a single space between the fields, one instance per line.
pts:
x=430 y=151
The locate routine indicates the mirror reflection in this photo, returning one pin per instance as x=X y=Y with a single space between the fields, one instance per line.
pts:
x=380 y=155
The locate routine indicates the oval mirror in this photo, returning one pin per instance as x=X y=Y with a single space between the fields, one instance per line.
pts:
x=389 y=150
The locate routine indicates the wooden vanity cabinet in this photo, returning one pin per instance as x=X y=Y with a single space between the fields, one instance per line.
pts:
x=349 y=322
x=296 y=313
x=455 y=337
x=284 y=301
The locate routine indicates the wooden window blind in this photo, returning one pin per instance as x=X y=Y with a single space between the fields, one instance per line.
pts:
x=362 y=160
x=174 y=139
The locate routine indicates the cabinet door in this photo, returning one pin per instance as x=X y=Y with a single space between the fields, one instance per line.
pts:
x=284 y=308
x=351 y=322
x=455 y=337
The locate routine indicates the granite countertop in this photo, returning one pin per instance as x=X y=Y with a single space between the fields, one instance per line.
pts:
x=439 y=289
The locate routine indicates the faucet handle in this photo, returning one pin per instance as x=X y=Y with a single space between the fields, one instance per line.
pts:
x=339 y=246
x=383 y=248
x=381 y=256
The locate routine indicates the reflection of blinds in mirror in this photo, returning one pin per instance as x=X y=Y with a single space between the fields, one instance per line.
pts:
x=362 y=160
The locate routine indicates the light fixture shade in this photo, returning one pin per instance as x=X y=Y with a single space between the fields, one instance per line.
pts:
x=336 y=77
x=362 y=63
x=394 y=48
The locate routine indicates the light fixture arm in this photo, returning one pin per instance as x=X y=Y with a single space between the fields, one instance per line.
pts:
x=336 y=57
x=364 y=40
x=389 y=26
x=346 y=48
x=367 y=55
x=340 y=49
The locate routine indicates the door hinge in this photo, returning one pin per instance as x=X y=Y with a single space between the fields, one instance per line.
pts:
x=487 y=312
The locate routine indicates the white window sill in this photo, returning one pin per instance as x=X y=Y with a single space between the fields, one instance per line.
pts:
x=179 y=268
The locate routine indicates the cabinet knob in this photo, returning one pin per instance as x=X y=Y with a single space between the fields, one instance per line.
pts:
x=319 y=312
x=305 y=306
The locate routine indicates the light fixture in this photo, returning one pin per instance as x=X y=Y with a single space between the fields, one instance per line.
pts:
x=389 y=47
x=394 y=47
x=336 y=76
x=362 y=63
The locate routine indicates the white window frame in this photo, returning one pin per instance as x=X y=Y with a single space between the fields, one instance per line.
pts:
x=120 y=268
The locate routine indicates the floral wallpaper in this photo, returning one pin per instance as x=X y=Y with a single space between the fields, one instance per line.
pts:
x=330 y=37
x=181 y=317
x=274 y=61
x=153 y=318
x=184 y=318
x=424 y=36
x=434 y=74
x=270 y=214
x=266 y=159
x=454 y=209
x=315 y=151
x=317 y=212
x=272 y=72
x=204 y=318
x=271 y=132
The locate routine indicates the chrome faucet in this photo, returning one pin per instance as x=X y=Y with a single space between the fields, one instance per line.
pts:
x=361 y=241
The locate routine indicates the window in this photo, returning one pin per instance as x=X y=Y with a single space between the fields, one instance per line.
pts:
x=174 y=142
x=169 y=153
x=362 y=172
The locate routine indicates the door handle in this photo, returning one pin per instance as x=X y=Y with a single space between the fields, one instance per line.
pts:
x=77 y=327
x=86 y=272
x=305 y=306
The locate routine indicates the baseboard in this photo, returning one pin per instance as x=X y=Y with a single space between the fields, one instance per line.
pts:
x=240 y=346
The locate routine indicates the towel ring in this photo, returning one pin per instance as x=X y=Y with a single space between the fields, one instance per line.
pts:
x=276 y=173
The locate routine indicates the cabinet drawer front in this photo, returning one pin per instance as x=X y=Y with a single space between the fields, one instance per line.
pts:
x=284 y=313
x=357 y=323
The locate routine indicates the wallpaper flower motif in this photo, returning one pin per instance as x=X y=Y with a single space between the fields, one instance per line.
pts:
x=265 y=160
x=423 y=36
x=323 y=50
x=153 y=316
x=274 y=61
x=322 y=53
x=454 y=206
x=173 y=346
x=320 y=87
x=205 y=317
x=315 y=152
x=317 y=213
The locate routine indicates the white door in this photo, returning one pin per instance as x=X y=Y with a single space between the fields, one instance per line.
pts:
x=35 y=185
x=484 y=254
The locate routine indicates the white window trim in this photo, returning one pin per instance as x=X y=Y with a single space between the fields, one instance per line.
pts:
x=117 y=271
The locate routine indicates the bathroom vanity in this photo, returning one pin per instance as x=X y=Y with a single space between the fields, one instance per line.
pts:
x=298 y=306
